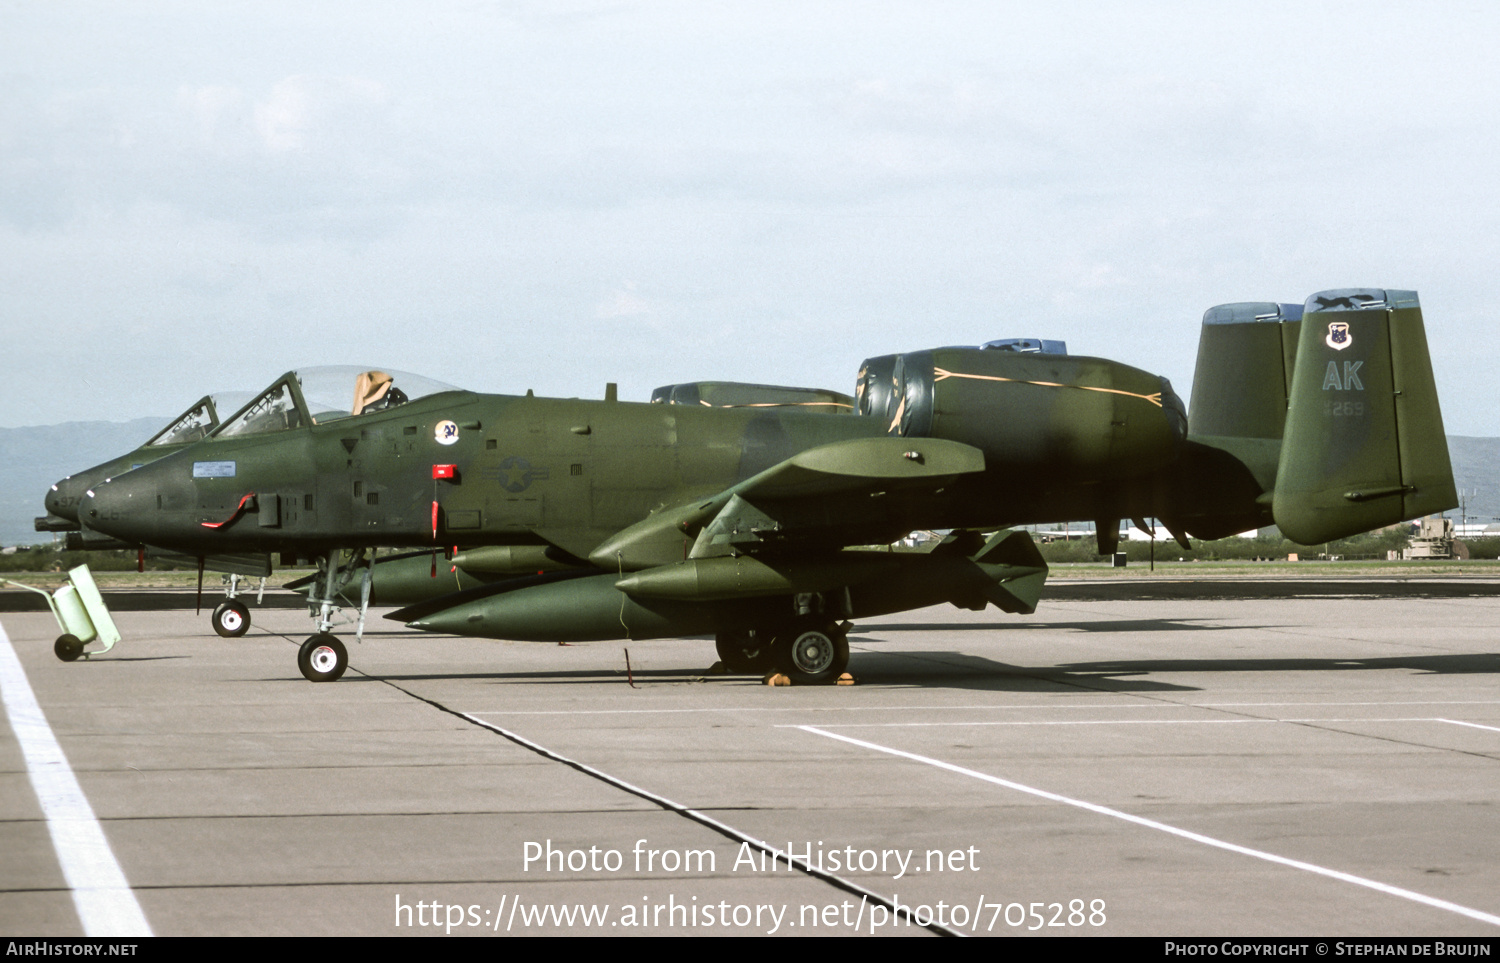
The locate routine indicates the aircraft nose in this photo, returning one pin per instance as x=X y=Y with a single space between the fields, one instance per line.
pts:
x=62 y=499
x=112 y=509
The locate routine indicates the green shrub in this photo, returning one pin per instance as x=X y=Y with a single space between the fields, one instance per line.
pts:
x=1374 y=545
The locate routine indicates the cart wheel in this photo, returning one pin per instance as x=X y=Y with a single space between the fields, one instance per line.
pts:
x=68 y=648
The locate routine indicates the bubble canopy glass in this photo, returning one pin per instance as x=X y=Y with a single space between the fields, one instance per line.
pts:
x=200 y=419
x=329 y=393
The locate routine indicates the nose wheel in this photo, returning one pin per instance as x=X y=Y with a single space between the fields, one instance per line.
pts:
x=322 y=658
x=231 y=619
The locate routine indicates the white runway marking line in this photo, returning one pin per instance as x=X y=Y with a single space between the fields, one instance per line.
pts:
x=719 y=826
x=1472 y=725
x=1421 y=702
x=1033 y=706
x=628 y=712
x=1128 y=722
x=105 y=902
x=1173 y=830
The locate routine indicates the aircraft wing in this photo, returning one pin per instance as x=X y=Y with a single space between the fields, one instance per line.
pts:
x=815 y=525
x=857 y=492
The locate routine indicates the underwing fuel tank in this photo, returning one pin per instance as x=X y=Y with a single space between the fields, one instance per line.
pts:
x=557 y=608
x=412 y=577
x=698 y=596
x=1090 y=418
x=743 y=576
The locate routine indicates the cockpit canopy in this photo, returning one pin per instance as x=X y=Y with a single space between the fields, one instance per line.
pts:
x=315 y=396
x=201 y=418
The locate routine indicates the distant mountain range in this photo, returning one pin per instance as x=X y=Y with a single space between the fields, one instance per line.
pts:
x=31 y=459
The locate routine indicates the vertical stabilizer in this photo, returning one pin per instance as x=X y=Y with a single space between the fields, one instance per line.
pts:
x=1363 y=445
x=1244 y=369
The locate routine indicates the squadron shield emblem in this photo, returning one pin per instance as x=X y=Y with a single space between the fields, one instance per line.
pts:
x=445 y=433
x=1338 y=335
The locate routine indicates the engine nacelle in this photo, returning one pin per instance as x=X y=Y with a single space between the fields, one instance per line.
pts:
x=874 y=389
x=1090 y=417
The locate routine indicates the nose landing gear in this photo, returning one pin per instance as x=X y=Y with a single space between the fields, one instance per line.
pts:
x=231 y=619
x=323 y=657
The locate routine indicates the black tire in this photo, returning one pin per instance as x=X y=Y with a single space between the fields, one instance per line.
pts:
x=812 y=653
x=231 y=619
x=322 y=658
x=741 y=653
x=67 y=648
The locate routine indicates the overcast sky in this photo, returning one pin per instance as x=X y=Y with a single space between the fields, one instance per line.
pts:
x=553 y=195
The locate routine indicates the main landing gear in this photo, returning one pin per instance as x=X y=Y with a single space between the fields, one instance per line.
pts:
x=323 y=657
x=811 y=650
x=745 y=651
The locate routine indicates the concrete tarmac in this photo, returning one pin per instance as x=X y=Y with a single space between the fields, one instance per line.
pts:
x=1196 y=762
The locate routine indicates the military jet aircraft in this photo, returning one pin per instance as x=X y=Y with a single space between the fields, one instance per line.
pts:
x=230 y=618
x=771 y=527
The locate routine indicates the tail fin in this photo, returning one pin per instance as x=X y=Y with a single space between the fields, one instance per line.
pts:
x=1245 y=360
x=1363 y=444
x=1244 y=370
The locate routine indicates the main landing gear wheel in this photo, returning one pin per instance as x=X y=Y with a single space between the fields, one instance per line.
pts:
x=322 y=658
x=231 y=619
x=67 y=648
x=812 y=654
x=742 y=653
